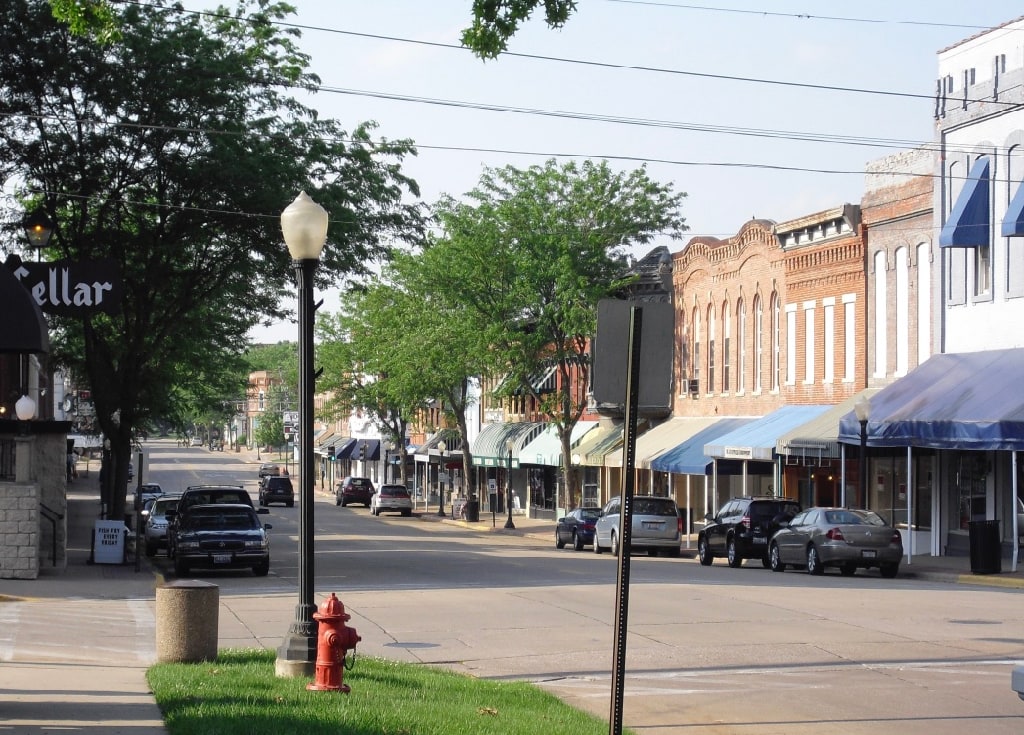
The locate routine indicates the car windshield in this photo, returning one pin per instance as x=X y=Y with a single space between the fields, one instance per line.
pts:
x=231 y=520
x=591 y=514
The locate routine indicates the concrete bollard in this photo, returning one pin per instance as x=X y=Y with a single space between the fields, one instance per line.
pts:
x=186 y=621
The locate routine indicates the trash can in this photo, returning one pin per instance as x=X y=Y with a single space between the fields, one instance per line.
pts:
x=473 y=511
x=986 y=549
x=187 y=621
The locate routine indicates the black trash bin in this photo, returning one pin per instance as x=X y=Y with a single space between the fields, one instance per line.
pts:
x=473 y=511
x=986 y=549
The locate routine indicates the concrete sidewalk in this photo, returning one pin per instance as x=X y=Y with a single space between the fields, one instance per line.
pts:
x=75 y=643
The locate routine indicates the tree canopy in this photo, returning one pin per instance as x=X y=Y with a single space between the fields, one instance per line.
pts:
x=173 y=151
x=496 y=21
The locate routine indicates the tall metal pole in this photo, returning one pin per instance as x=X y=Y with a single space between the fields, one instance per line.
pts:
x=863 y=462
x=508 y=488
x=297 y=654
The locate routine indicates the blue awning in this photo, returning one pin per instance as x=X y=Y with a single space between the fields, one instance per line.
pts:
x=757 y=439
x=1013 y=222
x=343 y=447
x=970 y=400
x=969 y=223
x=688 y=458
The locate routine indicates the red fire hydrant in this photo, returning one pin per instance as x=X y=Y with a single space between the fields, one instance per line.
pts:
x=334 y=640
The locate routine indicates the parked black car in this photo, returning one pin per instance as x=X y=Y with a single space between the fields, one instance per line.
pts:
x=576 y=528
x=203 y=495
x=222 y=536
x=742 y=529
x=276 y=490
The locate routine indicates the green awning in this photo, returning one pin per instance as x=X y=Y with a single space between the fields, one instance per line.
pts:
x=546 y=449
x=490 y=448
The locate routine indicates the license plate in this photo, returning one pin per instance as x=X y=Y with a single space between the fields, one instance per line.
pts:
x=653 y=524
x=760 y=540
x=868 y=554
x=222 y=558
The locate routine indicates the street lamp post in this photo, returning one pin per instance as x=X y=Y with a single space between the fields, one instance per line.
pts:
x=304 y=225
x=508 y=484
x=441 y=447
x=862 y=409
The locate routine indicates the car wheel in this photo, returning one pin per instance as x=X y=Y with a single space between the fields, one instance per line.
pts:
x=704 y=552
x=559 y=544
x=263 y=503
x=814 y=565
x=180 y=567
x=766 y=562
x=732 y=555
x=597 y=546
x=406 y=512
x=652 y=552
x=150 y=549
x=262 y=569
x=337 y=500
x=674 y=552
x=848 y=570
x=775 y=559
x=889 y=570
x=291 y=504
x=615 y=544
x=577 y=542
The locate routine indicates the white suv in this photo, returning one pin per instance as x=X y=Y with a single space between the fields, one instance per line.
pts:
x=393 y=498
x=657 y=526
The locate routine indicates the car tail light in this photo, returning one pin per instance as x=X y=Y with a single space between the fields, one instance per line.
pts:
x=896 y=538
x=679 y=524
x=745 y=521
x=835 y=534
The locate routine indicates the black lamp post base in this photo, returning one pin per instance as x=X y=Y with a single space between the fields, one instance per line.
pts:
x=509 y=523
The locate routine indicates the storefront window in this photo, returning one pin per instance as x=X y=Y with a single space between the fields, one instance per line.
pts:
x=970 y=479
x=887 y=489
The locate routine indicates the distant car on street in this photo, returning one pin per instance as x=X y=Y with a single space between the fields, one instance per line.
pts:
x=742 y=529
x=155 y=530
x=577 y=528
x=354 y=490
x=269 y=469
x=837 y=537
x=656 y=526
x=391 y=499
x=149 y=491
x=276 y=490
x=222 y=536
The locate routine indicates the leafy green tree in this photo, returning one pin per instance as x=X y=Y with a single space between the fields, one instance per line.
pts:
x=496 y=21
x=531 y=252
x=402 y=344
x=270 y=430
x=173 y=152
x=88 y=17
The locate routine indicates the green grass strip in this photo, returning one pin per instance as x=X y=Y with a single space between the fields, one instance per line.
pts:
x=239 y=694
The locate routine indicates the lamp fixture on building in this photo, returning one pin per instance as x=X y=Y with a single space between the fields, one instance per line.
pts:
x=38 y=228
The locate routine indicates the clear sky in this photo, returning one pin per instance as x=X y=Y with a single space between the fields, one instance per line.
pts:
x=764 y=109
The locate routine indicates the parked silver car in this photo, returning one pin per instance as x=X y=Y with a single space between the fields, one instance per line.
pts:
x=156 y=523
x=656 y=526
x=837 y=537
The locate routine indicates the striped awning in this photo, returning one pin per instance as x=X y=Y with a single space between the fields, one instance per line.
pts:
x=490 y=448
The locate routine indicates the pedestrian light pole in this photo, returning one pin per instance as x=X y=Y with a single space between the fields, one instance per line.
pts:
x=508 y=483
x=304 y=225
x=441 y=447
x=862 y=409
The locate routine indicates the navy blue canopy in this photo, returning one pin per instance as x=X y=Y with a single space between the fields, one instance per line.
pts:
x=969 y=400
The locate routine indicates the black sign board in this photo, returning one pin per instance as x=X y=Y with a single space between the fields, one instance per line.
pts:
x=71 y=288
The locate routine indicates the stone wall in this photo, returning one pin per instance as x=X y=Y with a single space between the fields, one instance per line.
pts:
x=33 y=507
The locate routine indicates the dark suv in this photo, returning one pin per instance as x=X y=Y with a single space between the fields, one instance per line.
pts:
x=276 y=490
x=742 y=529
x=354 y=490
x=202 y=495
